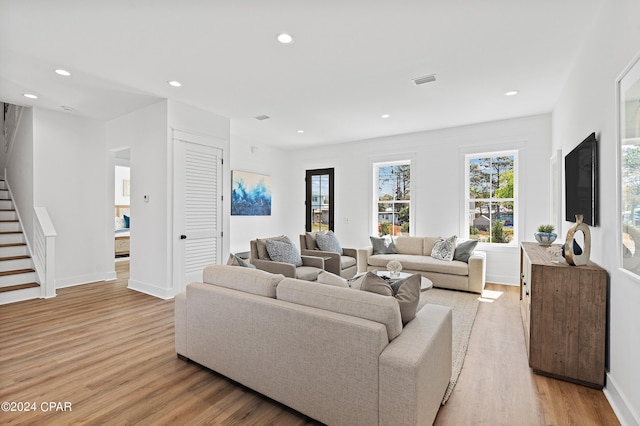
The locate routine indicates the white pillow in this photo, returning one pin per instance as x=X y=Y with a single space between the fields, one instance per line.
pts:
x=444 y=249
x=119 y=223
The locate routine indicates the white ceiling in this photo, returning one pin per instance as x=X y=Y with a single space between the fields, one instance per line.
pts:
x=351 y=61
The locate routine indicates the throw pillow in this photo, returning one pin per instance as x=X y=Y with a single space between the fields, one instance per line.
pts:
x=332 y=279
x=383 y=245
x=373 y=283
x=282 y=251
x=328 y=242
x=464 y=250
x=443 y=249
x=408 y=297
x=127 y=221
x=261 y=245
x=238 y=261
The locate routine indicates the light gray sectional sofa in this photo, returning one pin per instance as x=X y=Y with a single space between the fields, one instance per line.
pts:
x=338 y=355
x=414 y=253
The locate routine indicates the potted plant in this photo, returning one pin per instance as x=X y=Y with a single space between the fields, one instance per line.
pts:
x=545 y=235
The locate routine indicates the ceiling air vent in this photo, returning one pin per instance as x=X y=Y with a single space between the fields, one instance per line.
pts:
x=426 y=79
x=262 y=117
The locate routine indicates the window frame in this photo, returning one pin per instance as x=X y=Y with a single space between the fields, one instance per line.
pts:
x=467 y=200
x=309 y=195
x=375 y=166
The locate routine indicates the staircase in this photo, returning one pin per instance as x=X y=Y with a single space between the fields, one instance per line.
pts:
x=17 y=275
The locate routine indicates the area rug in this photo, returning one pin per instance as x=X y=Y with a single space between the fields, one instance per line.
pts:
x=464 y=307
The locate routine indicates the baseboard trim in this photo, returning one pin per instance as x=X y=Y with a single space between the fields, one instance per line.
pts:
x=618 y=402
x=150 y=289
x=81 y=279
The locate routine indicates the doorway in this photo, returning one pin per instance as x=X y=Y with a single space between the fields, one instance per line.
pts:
x=319 y=200
x=122 y=205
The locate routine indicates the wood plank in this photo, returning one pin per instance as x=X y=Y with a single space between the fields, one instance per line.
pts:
x=110 y=352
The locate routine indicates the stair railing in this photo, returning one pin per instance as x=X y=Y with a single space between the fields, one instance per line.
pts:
x=12 y=115
x=44 y=252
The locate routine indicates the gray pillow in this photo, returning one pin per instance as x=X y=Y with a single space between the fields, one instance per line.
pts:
x=328 y=242
x=383 y=245
x=373 y=283
x=238 y=261
x=408 y=297
x=443 y=249
x=464 y=250
x=282 y=251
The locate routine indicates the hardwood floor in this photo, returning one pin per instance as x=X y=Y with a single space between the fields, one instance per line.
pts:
x=109 y=352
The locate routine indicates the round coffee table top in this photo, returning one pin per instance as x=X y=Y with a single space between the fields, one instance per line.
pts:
x=425 y=283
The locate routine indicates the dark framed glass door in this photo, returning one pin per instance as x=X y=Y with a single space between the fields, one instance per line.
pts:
x=319 y=200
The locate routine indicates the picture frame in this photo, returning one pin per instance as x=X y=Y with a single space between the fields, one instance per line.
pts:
x=250 y=194
x=628 y=138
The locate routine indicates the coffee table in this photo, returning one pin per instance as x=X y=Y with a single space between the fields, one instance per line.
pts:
x=425 y=283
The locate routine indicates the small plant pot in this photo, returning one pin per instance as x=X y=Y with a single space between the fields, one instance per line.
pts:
x=545 y=238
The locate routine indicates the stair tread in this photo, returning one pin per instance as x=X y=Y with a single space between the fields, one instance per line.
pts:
x=10 y=232
x=16 y=272
x=15 y=257
x=13 y=245
x=18 y=287
x=9 y=220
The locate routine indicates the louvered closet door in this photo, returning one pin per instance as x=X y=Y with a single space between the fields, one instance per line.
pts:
x=198 y=209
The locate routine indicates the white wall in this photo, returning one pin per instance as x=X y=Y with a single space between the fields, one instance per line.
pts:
x=438 y=182
x=19 y=171
x=588 y=104
x=144 y=132
x=69 y=180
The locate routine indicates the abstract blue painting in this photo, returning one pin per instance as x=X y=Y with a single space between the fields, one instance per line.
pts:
x=250 y=194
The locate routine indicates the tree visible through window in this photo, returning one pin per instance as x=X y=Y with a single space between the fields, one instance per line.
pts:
x=491 y=197
x=393 y=203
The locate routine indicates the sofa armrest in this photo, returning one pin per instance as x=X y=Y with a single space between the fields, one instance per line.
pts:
x=477 y=271
x=286 y=269
x=363 y=258
x=315 y=261
x=331 y=260
x=415 y=369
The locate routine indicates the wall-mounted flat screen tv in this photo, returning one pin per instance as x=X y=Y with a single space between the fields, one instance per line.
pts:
x=581 y=181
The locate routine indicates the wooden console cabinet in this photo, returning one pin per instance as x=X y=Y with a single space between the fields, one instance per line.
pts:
x=564 y=315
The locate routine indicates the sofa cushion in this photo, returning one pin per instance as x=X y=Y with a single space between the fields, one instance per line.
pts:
x=347 y=262
x=361 y=304
x=444 y=248
x=420 y=263
x=307 y=273
x=332 y=279
x=283 y=251
x=383 y=245
x=248 y=280
x=428 y=243
x=409 y=245
x=464 y=250
x=328 y=242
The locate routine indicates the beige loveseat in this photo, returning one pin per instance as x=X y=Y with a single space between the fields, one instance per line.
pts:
x=414 y=253
x=338 y=355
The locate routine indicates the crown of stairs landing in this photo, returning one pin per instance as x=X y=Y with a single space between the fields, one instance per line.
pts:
x=17 y=274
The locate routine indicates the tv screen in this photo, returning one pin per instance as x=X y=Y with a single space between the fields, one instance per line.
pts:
x=581 y=182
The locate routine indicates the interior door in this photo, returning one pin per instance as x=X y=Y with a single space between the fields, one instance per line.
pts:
x=319 y=200
x=197 y=207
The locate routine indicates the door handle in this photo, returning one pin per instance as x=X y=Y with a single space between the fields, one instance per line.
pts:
x=183 y=237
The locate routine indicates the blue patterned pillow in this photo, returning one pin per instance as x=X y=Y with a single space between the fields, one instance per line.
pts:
x=281 y=251
x=444 y=249
x=328 y=242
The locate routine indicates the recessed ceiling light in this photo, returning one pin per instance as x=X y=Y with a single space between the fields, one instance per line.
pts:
x=300 y=131
x=385 y=116
x=29 y=95
x=63 y=72
x=285 y=38
x=174 y=83
x=512 y=93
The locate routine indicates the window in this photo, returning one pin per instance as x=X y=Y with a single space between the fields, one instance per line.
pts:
x=319 y=200
x=491 y=197
x=392 y=205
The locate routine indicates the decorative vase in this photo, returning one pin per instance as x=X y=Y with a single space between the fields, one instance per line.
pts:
x=394 y=267
x=545 y=238
x=572 y=253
